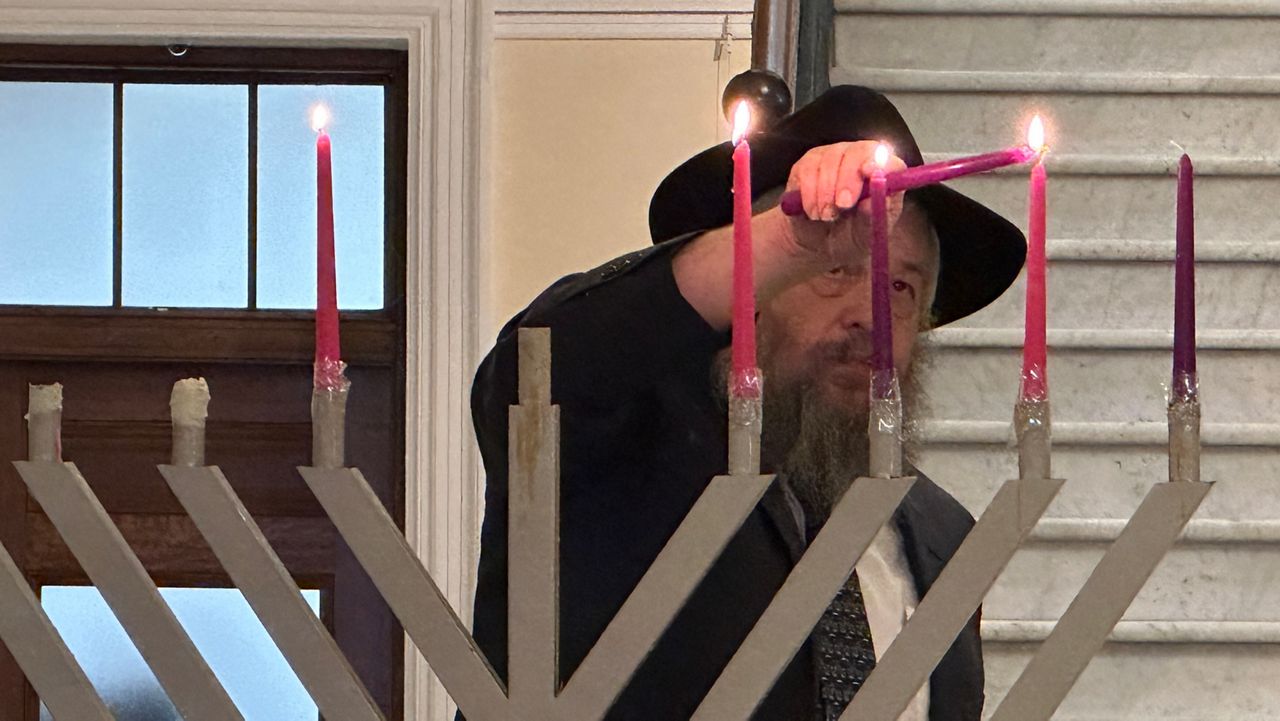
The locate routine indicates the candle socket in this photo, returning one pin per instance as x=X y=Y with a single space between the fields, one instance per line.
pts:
x=1033 y=428
x=44 y=422
x=884 y=430
x=746 y=419
x=188 y=410
x=329 y=426
x=1184 y=440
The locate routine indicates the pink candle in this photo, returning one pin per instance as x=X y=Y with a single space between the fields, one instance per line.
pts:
x=1184 y=298
x=328 y=367
x=1035 y=384
x=881 y=311
x=910 y=178
x=744 y=296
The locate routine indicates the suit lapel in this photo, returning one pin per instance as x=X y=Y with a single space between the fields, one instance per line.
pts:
x=919 y=541
x=778 y=509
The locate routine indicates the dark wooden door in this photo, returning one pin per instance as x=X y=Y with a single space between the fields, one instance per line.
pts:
x=116 y=429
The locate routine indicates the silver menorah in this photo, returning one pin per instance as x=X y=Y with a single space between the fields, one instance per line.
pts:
x=532 y=691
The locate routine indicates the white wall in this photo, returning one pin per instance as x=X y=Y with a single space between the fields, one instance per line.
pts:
x=583 y=132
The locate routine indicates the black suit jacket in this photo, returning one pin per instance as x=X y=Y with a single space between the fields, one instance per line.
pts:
x=642 y=435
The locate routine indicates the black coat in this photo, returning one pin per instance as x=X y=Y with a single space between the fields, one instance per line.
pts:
x=642 y=435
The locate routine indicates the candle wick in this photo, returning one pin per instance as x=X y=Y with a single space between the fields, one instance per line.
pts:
x=1178 y=145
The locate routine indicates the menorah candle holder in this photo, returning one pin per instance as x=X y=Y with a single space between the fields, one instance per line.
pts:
x=533 y=693
x=188 y=411
x=329 y=419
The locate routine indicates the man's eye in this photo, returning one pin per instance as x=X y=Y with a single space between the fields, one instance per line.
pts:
x=902 y=285
x=835 y=272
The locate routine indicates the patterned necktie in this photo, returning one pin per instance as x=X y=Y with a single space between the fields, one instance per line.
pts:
x=845 y=655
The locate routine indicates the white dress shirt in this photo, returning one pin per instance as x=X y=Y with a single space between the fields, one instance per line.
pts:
x=888 y=593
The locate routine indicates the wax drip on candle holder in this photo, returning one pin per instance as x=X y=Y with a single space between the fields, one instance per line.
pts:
x=885 y=425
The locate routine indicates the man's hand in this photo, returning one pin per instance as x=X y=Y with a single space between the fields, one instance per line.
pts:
x=830 y=180
x=789 y=250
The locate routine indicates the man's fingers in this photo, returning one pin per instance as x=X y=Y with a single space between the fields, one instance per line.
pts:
x=828 y=173
x=804 y=177
x=849 y=181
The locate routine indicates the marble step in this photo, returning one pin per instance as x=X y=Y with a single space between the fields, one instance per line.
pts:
x=1113 y=292
x=950 y=39
x=1191 y=671
x=1082 y=120
x=1218 y=571
x=1099 y=384
x=1109 y=481
x=1121 y=198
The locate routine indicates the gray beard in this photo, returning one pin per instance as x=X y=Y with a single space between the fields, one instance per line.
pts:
x=816 y=447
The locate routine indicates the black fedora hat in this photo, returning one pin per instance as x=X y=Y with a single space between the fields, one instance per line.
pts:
x=981 y=252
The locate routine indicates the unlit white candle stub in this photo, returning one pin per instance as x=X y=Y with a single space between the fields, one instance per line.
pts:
x=44 y=399
x=189 y=403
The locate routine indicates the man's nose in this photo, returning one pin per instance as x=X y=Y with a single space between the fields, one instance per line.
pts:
x=855 y=307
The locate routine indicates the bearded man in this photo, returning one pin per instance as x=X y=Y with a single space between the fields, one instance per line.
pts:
x=638 y=369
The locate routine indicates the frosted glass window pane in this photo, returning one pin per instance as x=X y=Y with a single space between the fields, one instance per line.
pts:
x=287 y=194
x=186 y=208
x=55 y=193
x=223 y=627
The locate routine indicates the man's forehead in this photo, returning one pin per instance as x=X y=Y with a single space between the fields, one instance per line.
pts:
x=915 y=243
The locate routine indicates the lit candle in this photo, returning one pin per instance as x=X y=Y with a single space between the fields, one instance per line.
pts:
x=881 y=311
x=1035 y=384
x=1184 y=299
x=328 y=369
x=744 y=299
x=906 y=179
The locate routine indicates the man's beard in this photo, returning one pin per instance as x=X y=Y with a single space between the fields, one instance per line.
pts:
x=816 y=446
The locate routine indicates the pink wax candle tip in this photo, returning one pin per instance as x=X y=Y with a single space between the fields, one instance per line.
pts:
x=1184 y=301
x=881 y=310
x=1035 y=384
x=744 y=298
x=328 y=349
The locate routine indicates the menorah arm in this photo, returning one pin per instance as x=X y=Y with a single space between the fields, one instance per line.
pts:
x=1112 y=586
x=114 y=568
x=712 y=522
x=798 y=605
x=243 y=550
x=952 y=600
x=409 y=591
x=25 y=629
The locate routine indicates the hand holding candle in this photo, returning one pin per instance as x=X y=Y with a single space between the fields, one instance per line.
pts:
x=921 y=175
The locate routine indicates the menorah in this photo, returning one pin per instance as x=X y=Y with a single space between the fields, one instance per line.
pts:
x=532 y=691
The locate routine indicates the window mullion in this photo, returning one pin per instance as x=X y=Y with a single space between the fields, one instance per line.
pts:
x=117 y=212
x=253 y=196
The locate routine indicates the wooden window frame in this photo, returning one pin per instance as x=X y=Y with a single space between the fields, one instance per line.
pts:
x=128 y=333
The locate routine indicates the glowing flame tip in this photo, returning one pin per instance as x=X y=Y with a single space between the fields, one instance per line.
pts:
x=1035 y=134
x=882 y=154
x=741 y=121
x=319 y=118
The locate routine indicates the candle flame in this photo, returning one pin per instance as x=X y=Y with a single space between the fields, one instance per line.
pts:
x=741 y=121
x=319 y=118
x=882 y=155
x=1035 y=134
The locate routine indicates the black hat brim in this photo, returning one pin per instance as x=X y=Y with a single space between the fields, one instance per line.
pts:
x=981 y=253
